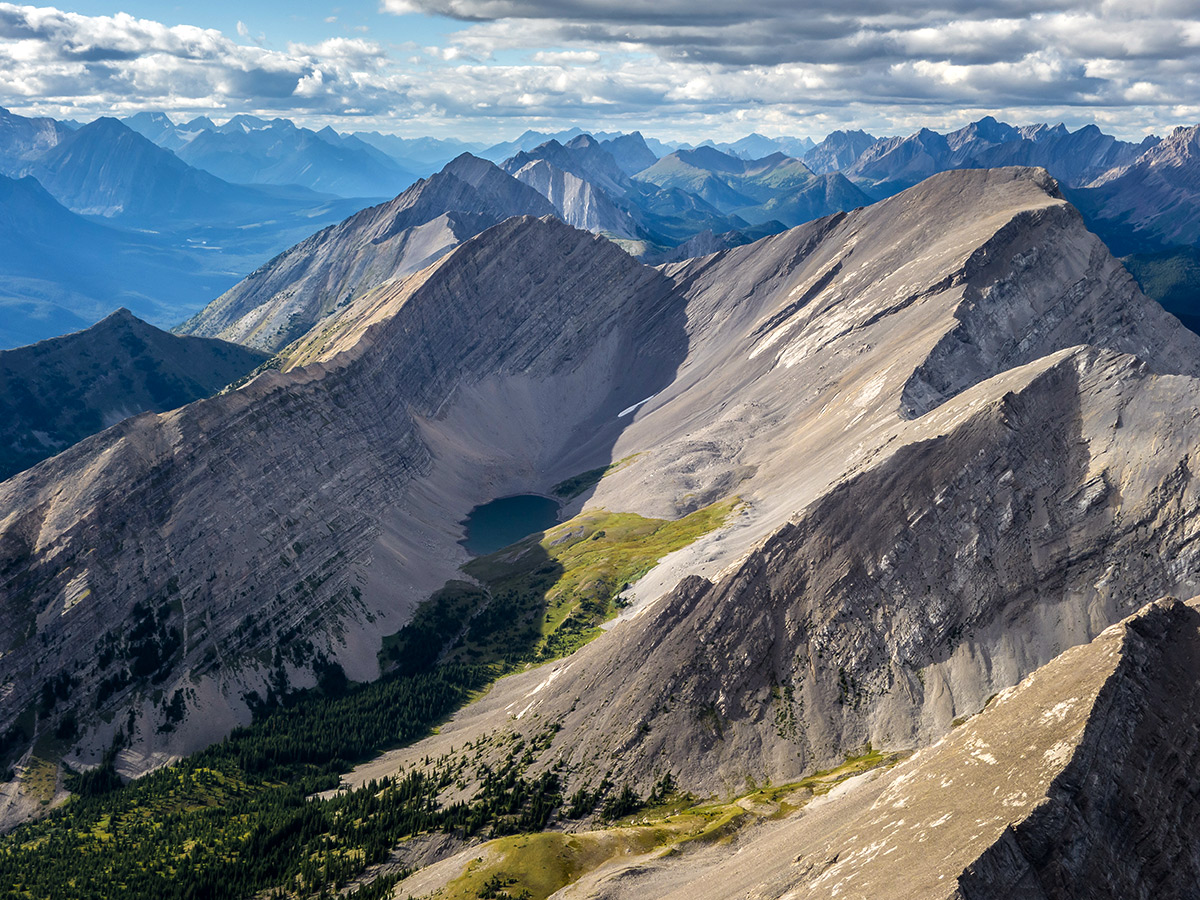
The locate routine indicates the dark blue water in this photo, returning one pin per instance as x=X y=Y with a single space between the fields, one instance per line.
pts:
x=506 y=520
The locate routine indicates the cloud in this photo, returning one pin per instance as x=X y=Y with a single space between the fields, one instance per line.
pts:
x=682 y=68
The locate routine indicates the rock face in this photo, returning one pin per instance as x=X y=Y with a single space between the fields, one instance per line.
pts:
x=1075 y=783
x=939 y=422
x=583 y=157
x=960 y=433
x=576 y=201
x=286 y=297
x=57 y=392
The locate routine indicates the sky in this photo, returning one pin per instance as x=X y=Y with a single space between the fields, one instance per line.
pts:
x=486 y=70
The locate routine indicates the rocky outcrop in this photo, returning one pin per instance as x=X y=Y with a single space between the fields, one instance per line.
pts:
x=283 y=299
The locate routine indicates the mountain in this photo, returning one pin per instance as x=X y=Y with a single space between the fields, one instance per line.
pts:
x=582 y=156
x=106 y=169
x=839 y=150
x=577 y=202
x=819 y=196
x=512 y=356
x=1050 y=785
x=698 y=172
x=290 y=294
x=650 y=217
x=23 y=139
x=158 y=128
x=57 y=392
x=674 y=216
x=1152 y=201
x=842 y=490
x=424 y=155
x=631 y=152
x=538 y=277
x=246 y=150
x=777 y=187
x=184 y=235
x=812 y=596
x=756 y=146
x=890 y=165
x=527 y=141
x=1075 y=158
x=60 y=272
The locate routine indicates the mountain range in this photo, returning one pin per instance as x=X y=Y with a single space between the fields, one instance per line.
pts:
x=41 y=297
x=880 y=514
x=223 y=199
x=141 y=227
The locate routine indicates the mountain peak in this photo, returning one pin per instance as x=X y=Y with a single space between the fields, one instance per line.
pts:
x=582 y=142
x=471 y=168
x=121 y=314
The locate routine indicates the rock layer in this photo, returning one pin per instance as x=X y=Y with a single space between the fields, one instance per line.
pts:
x=1075 y=783
x=942 y=489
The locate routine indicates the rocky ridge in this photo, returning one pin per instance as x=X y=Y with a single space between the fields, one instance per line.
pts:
x=228 y=527
x=1073 y=783
x=938 y=500
x=284 y=298
x=917 y=403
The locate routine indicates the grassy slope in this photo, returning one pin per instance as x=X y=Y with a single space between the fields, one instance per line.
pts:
x=537 y=865
x=547 y=595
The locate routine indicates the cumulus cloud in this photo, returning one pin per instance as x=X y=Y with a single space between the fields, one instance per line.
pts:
x=676 y=67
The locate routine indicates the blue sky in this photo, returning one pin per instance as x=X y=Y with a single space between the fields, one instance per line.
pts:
x=280 y=22
x=677 y=69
